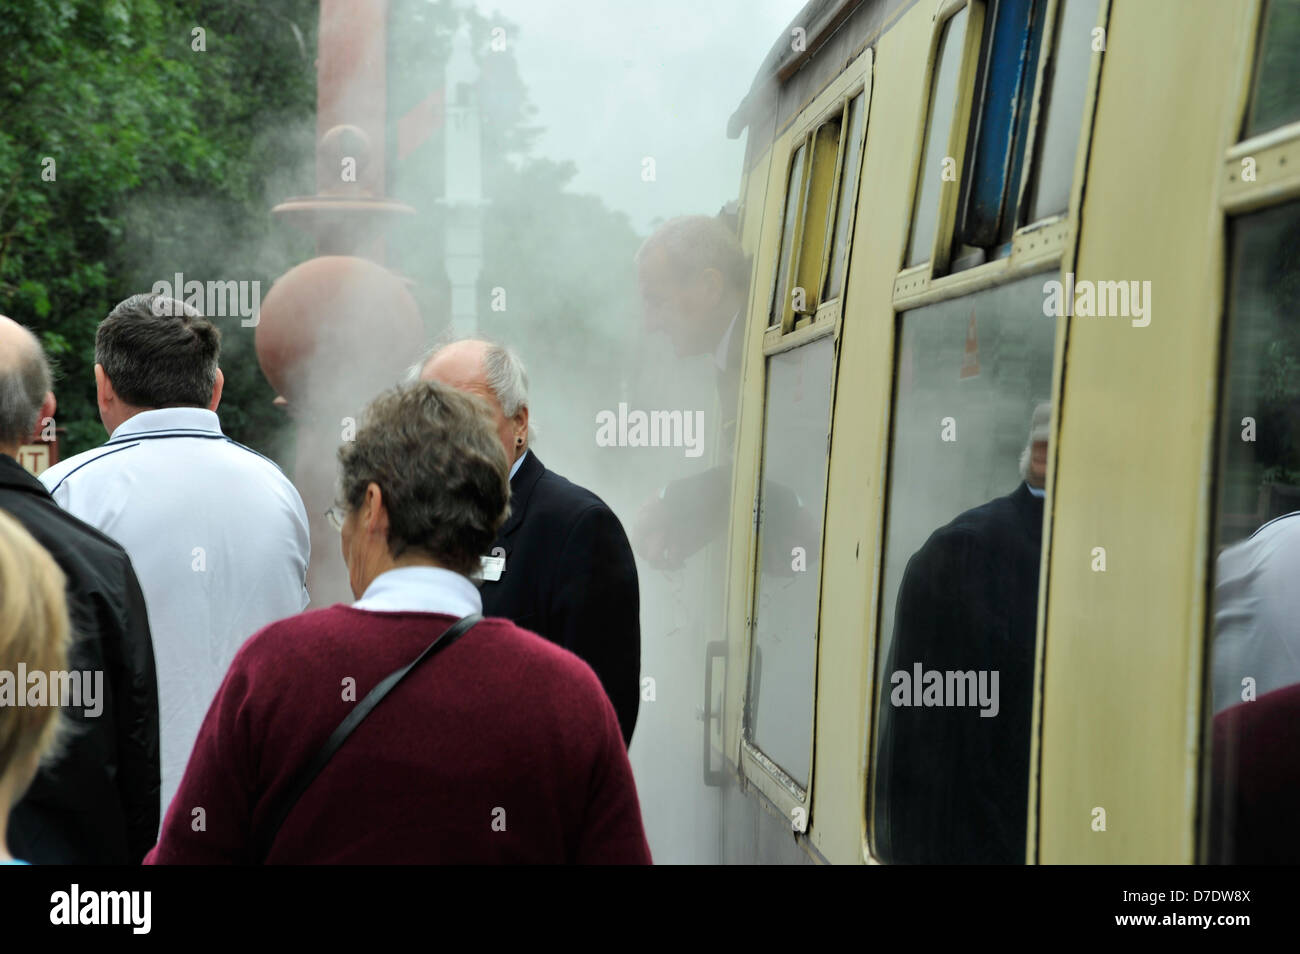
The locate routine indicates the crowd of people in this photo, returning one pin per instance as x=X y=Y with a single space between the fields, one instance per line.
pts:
x=496 y=618
x=496 y=614
x=474 y=704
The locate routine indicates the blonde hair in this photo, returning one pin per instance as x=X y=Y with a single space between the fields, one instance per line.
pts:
x=34 y=631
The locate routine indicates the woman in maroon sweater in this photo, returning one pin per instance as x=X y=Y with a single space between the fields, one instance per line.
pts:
x=500 y=748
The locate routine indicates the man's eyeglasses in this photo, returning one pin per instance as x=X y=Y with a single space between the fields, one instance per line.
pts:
x=336 y=515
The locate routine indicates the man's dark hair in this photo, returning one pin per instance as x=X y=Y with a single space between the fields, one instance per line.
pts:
x=436 y=456
x=159 y=352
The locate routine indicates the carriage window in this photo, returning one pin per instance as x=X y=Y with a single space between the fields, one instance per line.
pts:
x=1254 y=653
x=1275 y=98
x=812 y=214
x=943 y=99
x=793 y=189
x=816 y=220
x=1062 y=109
x=959 y=593
x=995 y=149
x=850 y=167
x=792 y=495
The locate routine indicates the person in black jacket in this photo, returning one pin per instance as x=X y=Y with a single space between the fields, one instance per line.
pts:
x=561 y=565
x=97 y=802
x=952 y=777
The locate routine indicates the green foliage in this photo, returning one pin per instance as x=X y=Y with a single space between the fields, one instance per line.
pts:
x=564 y=260
x=168 y=159
x=163 y=161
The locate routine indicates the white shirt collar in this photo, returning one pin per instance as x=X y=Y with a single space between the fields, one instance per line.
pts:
x=168 y=419
x=720 y=353
x=421 y=589
x=1036 y=491
x=515 y=466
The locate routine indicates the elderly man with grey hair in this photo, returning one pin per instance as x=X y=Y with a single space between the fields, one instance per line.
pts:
x=96 y=801
x=968 y=603
x=561 y=565
x=217 y=533
x=464 y=739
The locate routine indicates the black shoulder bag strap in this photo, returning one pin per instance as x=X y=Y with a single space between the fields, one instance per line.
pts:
x=308 y=773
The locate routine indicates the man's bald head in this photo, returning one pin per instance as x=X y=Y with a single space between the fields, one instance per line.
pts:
x=15 y=341
x=25 y=382
x=493 y=373
x=461 y=364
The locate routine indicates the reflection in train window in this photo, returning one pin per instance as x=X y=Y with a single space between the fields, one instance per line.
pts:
x=995 y=148
x=792 y=499
x=793 y=191
x=943 y=99
x=848 y=192
x=959 y=592
x=1255 y=644
x=1061 y=110
x=1275 y=98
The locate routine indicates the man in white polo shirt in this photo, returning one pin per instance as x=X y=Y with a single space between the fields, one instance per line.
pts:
x=217 y=534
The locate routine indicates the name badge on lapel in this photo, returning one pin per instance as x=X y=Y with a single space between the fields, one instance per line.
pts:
x=492 y=567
